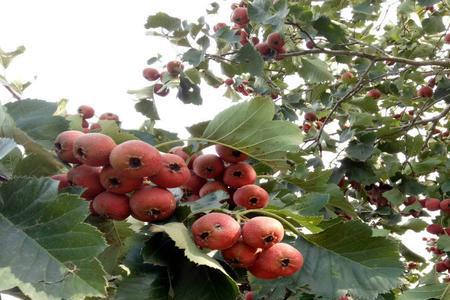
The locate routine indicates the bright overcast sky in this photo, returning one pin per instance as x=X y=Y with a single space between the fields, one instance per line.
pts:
x=92 y=52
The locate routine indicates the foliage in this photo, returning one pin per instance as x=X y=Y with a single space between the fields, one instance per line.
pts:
x=345 y=169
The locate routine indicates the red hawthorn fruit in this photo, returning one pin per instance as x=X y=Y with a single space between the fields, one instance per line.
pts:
x=374 y=94
x=390 y=62
x=173 y=173
x=87 y=177
x=342 y=183
x=432 y=204
x=430 y=8
x=280 y=52
x=255 y=40
x=281 y=259
x=211 y=187
x=249 y=295
x=275 y=41
x=346 y=77
x=344 y=297
x=412 y=265
x=318 y=124
x=447 y=38
x=86 y=111
x=95 y=126
x=216 y=231
x=258 y=269
x=262 y=232
x=178 y=150
x=240 y=16
x=435 y=229
x=91 y=209
x=109 y=116
x=229 y=154
x=151 y=204
x=240 y=255
x=93 y=149
x=151 y=74
x=411 y=112
x=208 y=166
x=229 y=81
x=63 y=182
x=193 y=185
x=239 y=174
x=398 y=116
x=84 y=125
x=64 y=145
x=422 y=202
x=115 y=182
x=251 y=196
x=86 y=130
x=441 y=267
x=445 y=205
x=425 y=91
x=175 y=67
x=432 y=82
x=447 y=263
x=136 y=159
x=264 y=49
x=113 y=206
x=310 y=116
x=410 y=200
x=306 y=127
x=158 y=90
x=219 y=26
x=310 y=44
x=243 y=37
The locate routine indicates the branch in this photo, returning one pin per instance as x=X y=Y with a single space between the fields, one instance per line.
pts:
x=435 y=121
x=13 y=93
x=374 y=58
x=349 y=94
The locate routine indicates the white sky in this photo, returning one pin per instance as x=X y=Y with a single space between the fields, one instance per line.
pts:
x=92 y=52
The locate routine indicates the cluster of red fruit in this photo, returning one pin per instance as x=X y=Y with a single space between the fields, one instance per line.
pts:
x=87 y=112
x=173 y=69
x=256 y=246
x=273 y=47
x=444 y=263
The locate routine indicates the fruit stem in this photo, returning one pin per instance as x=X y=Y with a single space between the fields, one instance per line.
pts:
x=272 y=215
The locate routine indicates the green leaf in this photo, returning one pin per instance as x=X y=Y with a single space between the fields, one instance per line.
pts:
x=433 y=291
x=33 y=165
x=163 y=20
x=6 y=146
x=360 y=151
x=152 y=284
x=193 y=75
x=413 y=145
x=394 y=196
x=314 y=70
x=47 y=251
x=337 y=258
x=444 y=243
x=210 y=201
x=36 y=119
x=147 y=108
x=331 y=31
x=433 y=24
x=194 y=57
x=188 y=92
x=443 y=89
x=428 y=2
x=250 y=61
x=118 y=236
x=312 y=203
x=309 y=222
x=182 y=238
x=249 y=128
x=110 y=128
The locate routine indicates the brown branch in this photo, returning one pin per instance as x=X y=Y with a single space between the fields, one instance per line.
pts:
x=435 y=121
x=359 y=85
x=13 y=93
x=375 y=58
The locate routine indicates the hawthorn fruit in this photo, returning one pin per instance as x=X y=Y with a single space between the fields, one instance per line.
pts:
x=62 y=179
x=211 y=187
x=174 y=172
x=115 y=181
x=87 y=177
x=216 y=231
x=240 y=16
x=109 y=116
x=93 y=149
x=239 y=174
x=262 y=232
x=425 y=91
x=136 y=159
x=151 y=74
x=64 y=144
x=240 y=255
x=86 y=111
x=445 y=205
x=208 y=166
x=432 y=204
x=374 y=94
x=175 y=67
x=251 y=196
x=275 y=41
x=112 y=206
x=281 y=259
x=151 y=204
x=160 y=90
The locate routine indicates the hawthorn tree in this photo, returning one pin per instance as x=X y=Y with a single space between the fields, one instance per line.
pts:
x=335 y=147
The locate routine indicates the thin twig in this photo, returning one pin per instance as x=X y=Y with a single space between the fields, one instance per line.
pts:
x=13 y=93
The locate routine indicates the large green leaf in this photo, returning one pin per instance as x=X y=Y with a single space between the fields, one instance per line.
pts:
x=249 y=127
x=46 y=249
x=432 y=291
x=163 y=20
x=346 y=258
x=35 y=117
x=152 y=284
x=118 y=236
x=8 y=129
x=314 y=70
x=250 y=61
x=6 y=146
